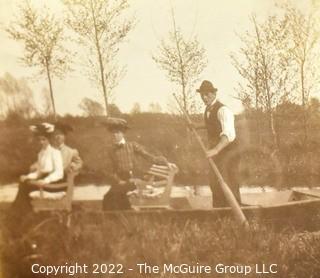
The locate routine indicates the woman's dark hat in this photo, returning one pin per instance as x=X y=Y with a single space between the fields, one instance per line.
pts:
x=115 y=124
x=43 y=129
x=63 y=128
x=206 y=87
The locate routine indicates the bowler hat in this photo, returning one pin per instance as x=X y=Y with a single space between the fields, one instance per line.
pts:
x=206 y=87
x=114 y=124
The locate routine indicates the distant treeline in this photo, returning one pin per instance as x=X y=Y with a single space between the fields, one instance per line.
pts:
x=296 y=161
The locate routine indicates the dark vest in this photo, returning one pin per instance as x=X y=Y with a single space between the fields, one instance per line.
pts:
x=213 y=126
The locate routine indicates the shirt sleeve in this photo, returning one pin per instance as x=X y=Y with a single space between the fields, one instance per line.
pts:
x=57 y=173
x=226 y=119
x=152 y=158
x=35 y=170
x=33 y=175
x=34 y=166
x=142 y=152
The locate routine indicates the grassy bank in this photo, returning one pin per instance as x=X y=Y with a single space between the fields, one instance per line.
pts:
x=104 y=239
x=297 y=162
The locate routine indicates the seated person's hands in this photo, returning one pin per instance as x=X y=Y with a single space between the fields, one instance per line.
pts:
x=161 y=160
x=23 y=178
x=38 y=182
x=33 y=167
x=71 y=168
x=136 y=181
x=122 y=182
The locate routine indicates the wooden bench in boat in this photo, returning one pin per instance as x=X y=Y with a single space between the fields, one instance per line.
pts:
x=154 y=193
x=42 y=200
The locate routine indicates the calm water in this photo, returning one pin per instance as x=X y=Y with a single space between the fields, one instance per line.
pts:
x=92 y=192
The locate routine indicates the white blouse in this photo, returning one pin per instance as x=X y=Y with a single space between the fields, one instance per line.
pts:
x=49 y=162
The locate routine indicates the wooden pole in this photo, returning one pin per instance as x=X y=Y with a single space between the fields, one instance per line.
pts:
x=232 y=201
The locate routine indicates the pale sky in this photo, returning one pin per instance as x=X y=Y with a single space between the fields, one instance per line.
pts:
x=213 y=21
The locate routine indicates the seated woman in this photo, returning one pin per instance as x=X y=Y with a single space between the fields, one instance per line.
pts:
x=47 y=169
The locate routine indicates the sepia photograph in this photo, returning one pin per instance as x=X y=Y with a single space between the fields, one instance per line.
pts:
x=173 y=138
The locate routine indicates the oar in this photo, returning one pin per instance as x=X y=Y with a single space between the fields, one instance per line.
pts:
x=232 y=201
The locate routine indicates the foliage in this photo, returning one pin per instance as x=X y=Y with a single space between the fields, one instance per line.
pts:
x=183 y=60
x=101 y=27
x=16 y=98
x=304 y=35
x=277 y=62
x=154 y=107
x=114 y=110
x=91 y=107
x=263 y=64
x=136 y=109
x=43 y=37
x=94 y=237
x=296 y=164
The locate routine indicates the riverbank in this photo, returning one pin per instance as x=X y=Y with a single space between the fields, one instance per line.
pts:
x=97 y=238
x=296 y=162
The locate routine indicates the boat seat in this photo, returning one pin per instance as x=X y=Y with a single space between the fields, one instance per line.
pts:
x=42 y=200
x=154 y=193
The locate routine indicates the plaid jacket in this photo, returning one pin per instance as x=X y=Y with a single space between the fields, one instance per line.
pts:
x=123 y=158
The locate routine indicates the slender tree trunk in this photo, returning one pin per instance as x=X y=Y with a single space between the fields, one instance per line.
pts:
x=104 y=89
x=184 y=97
x=183 y=81
x=258 y=124
x=51 y=90
x=273 y=130
x=304 y=103
x=267 y=90
x=103 y=84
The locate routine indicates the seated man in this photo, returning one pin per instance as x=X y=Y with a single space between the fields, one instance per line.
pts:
x=122 y=155
x=70 y=157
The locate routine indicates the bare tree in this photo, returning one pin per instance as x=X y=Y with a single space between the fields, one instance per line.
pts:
x=154 y=107
x=266 y=68
x=46 y=106
x=183 y=60
x=43 y=39
x=91 y=107
x=136 y=109
x=304 y=51
x=16 y=97
x=102 y=27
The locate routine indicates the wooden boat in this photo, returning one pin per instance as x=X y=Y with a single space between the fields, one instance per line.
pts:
x=274 y=204
x=300 y=205
x=289 y=208
x=297 y=205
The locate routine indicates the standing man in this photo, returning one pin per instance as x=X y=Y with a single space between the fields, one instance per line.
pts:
x=219 y=122
x=70 y=157
x=123 y=158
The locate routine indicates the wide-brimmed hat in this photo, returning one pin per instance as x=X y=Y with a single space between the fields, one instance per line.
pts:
x=115 y=124
x=63 y=128
x=206 y=87
x=43 y=129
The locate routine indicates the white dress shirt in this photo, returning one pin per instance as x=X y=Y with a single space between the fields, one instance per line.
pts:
x=49 y=162
x=226 y=118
